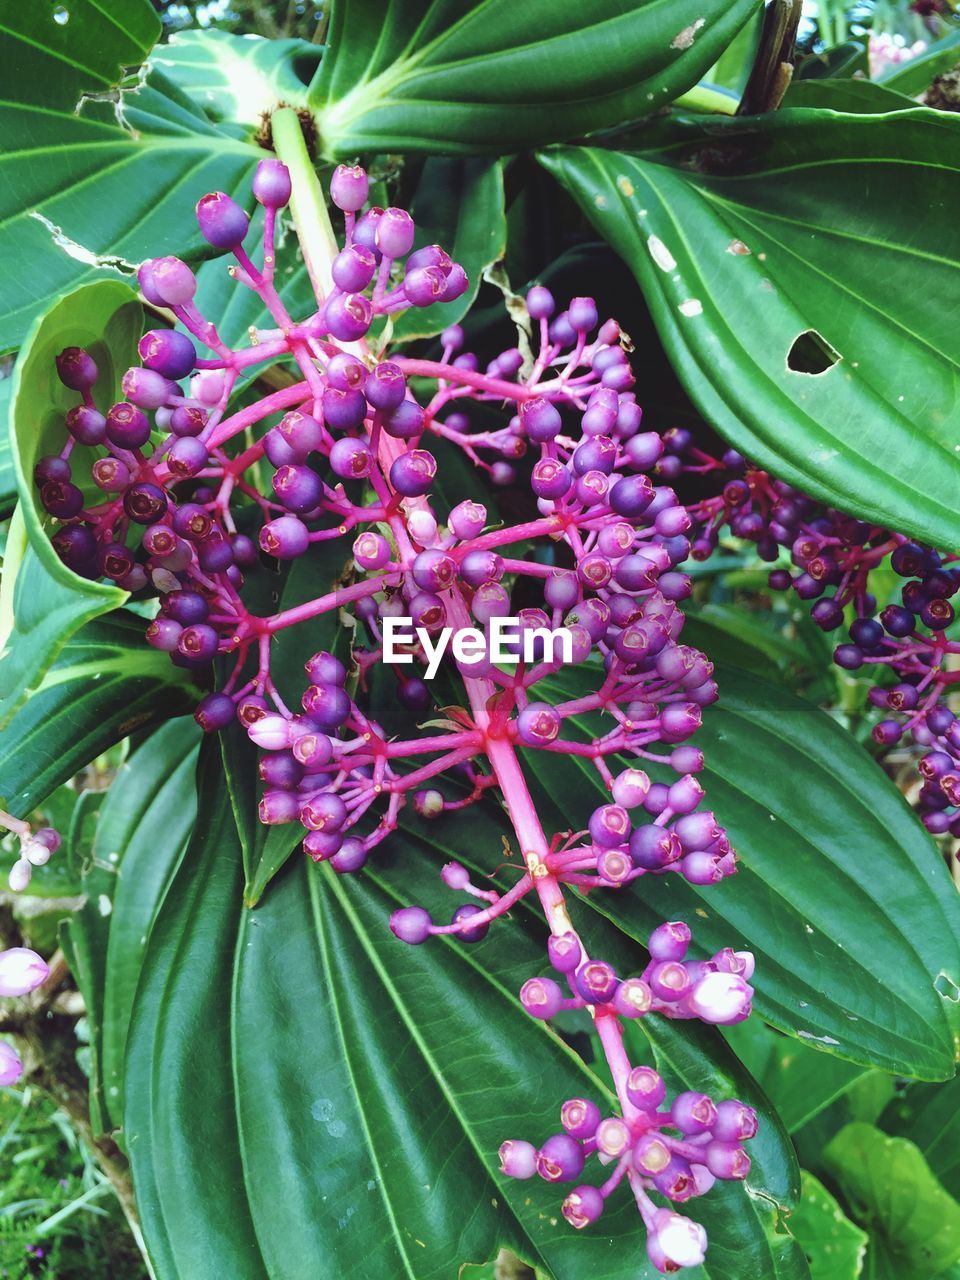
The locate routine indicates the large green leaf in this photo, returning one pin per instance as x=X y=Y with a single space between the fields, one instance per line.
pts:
x=840 y=893
x=915 y=1224
x=355 y=1090
x=91 y=192
x=141 y=831
x=48 y=601
x=56 y=53
x=435 y=75
x=929 y=1115
x=236 y=79
x=106 y=683
x=766 y=249
x=833 y=1244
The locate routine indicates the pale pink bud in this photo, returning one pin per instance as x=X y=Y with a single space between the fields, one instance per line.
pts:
x=11 y=1068
x=21 y=970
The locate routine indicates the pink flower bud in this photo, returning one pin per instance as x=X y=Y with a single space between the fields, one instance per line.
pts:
x=675 y=1241
x=21 y=970
x=720 y=998
x=11 y=1068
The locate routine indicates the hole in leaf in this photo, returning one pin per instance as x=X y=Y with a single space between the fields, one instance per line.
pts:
x=945 y=986
x=811 y=353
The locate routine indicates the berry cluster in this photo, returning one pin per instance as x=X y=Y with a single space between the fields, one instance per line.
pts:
x=906 y=646
x=36 y=849
x=343 y=446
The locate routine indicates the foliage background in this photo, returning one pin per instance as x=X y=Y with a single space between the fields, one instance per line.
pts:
x=849 y=905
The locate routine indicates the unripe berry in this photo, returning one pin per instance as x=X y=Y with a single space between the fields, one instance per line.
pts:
x=222 y=222
x=271 y=184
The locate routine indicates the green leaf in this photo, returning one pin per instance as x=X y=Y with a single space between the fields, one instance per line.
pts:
x=834 y=1246
x=839 y=62
x=48 y=601
x=914 y=1223
x=929 y=1115
x=142 y=830
x=106 y=683
x=91 y=194
x=840 y=893
x=56 y=54
x=732 y=68
x=847 y=95
x=301 y=1036
x=914 y=76
x=798 y=1081
x=430 y=75
x=8 y=477
x=753 y=248
x=236 y=79
x=458 y=204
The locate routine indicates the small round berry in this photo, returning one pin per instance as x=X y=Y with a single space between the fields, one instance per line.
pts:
x=271 y=184
x=411 y=924
x=144 y=502
x=214 y=712
x=583 y=1206
x=87 y=425
x=580 y=1117
x=166 y=282
x=537 y=724
x=518 y=1159
x=540 y=303
x=222 y=222
x=560 y=1159
x=413 y=473
x=385 y=387
x=596 y=981
x=541 y=420
x=349 y=187
x=76 y=369
x=395 y=232
x=348 y=316
x=465 y=912
x=541 y=997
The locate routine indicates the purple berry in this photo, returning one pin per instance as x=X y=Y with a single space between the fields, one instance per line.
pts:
x=560 y=1159
x=222 y=222
x=349 y=187
x=413 y=473
x=411 y=924
x=271 y=184
x=76 y=369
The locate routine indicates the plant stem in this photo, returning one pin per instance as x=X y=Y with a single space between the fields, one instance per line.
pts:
x=307 y=205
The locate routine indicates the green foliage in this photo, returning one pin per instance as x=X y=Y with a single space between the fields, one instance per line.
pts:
x=292 y=1085
x=59 y=1217
x=916 y=1224
x=48 y=602
x=715 y=220
x=834 y=1246
x=428 y=75
x=219 y=1058
x=840 y=894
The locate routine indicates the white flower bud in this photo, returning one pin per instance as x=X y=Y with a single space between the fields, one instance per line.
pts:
x=20 y=874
